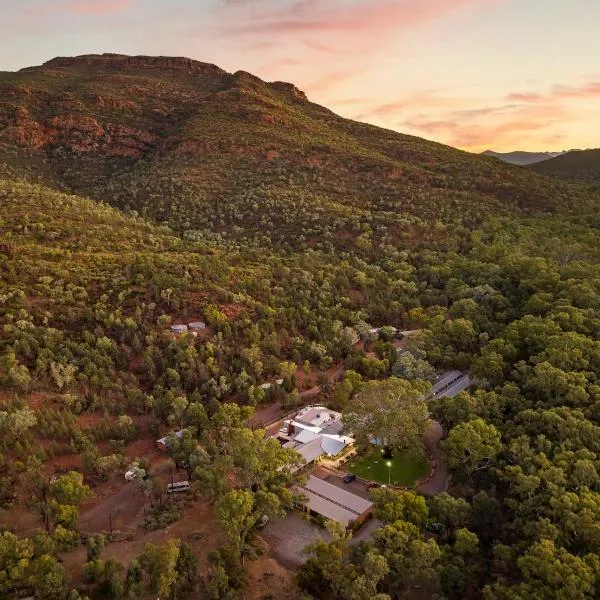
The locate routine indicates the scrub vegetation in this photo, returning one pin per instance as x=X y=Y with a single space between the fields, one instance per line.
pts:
x=140 y=193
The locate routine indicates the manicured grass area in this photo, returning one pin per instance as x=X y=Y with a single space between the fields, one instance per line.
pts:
x=406 y=468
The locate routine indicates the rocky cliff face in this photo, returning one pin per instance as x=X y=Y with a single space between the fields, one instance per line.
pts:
x=128 y=106
x=121 y=62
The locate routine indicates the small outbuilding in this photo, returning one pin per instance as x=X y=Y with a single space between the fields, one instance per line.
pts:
x=162 y=443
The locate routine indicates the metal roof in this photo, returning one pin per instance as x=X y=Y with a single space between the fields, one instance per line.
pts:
x=333 y=502
x=345 y=499
x=334 y=444
x=306 y=436
x=311 y=451
x=445 y=380
x=328 y=509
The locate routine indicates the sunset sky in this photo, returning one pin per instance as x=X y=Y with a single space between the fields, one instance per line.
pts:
x=477 y=74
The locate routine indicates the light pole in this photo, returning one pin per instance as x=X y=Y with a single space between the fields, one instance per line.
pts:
x=389 y=466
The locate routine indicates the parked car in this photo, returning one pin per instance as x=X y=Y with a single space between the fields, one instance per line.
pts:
x=373 y=484
x=434 y=527
x=349 y=478
x=178 y=486
x=263 y=521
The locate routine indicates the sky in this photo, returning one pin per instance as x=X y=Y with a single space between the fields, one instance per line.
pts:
x=475 y=74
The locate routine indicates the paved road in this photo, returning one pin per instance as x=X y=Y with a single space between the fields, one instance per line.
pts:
x=439 y=481
x=459 y=386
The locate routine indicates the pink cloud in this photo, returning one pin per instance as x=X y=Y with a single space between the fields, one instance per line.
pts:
x=525 y=97
x=80 y=7
x=494 y=126
x=93 y=7
x=431 y=99
x=475 y=135
x=559 y=91
x=363 y=18
x=589 y=90
x=330 y=79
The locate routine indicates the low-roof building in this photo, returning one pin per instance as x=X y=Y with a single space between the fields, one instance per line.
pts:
x=332 y=502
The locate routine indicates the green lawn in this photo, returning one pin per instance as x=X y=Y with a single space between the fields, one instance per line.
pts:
x=406 y=467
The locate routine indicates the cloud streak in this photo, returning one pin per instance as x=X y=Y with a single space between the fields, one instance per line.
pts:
x=79 y=7
x=495 y=125
x=362 y=18
x=584 y=91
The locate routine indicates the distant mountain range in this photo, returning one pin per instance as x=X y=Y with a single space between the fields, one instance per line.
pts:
x=522 y=158
x=577 y=165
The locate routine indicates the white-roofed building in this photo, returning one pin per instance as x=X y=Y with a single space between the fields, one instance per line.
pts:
x=310 y=452
x=314 y=433
x=163 y=443
x=334 y=444
x=306 y=436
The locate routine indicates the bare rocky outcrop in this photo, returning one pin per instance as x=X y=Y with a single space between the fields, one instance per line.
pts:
x=26 y=131
x=289 y=88
x=122 y=62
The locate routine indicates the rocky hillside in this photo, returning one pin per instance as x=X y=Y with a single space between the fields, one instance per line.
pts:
x=237 y=159
x=577 y=165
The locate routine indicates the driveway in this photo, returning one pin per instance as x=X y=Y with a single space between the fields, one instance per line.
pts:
x=355 y=487
x=438 y=482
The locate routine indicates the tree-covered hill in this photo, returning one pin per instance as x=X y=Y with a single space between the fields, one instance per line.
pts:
x=228 y=155
x=287 y=230
x=578 y=166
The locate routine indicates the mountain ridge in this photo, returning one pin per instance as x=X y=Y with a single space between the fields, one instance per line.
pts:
x=229 y=155
x=521 y=157
x=575 y=166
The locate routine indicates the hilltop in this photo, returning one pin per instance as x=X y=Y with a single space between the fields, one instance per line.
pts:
x=230 y=157
x=577 y=165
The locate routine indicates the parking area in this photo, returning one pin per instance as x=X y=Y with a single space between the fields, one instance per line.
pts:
x=449 y=384
x=289 y=535
x=458 y=386
x=356 y=486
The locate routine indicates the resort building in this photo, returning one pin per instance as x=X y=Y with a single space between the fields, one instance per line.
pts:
x=315 y=432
